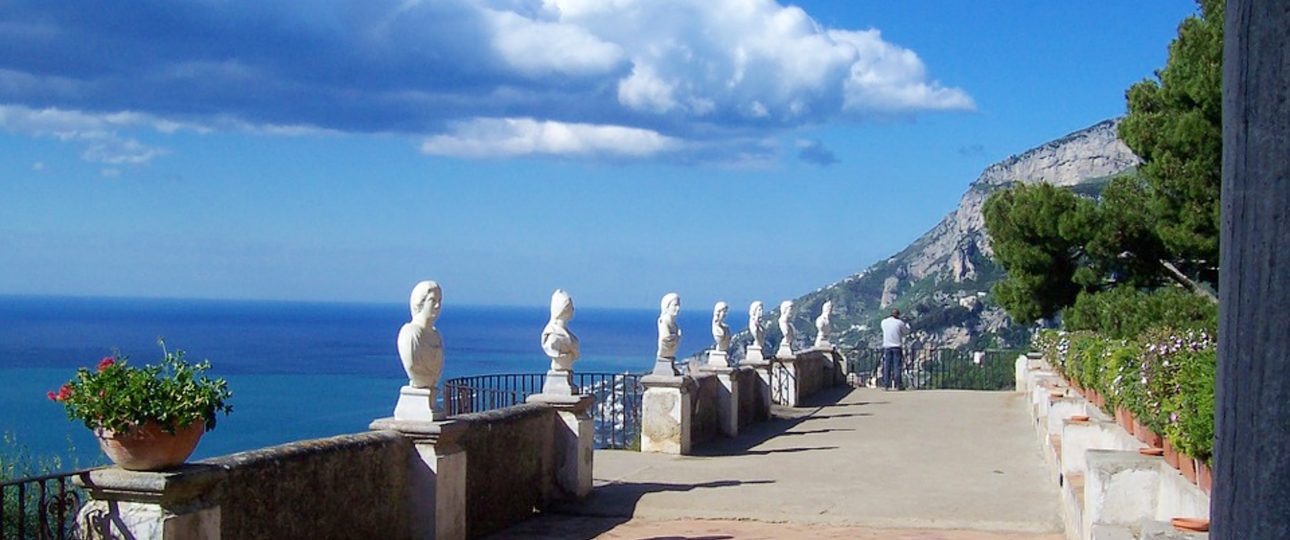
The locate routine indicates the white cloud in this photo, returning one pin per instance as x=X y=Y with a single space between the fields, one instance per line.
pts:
x=703 y=74
x=508 y=137
x=38 y=166
x=537 y=48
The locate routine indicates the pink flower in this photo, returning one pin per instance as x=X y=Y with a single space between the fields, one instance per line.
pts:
x=63 y=393
x=52 y=396
x=105 y=363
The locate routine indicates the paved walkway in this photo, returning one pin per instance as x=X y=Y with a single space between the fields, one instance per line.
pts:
x=861 y=464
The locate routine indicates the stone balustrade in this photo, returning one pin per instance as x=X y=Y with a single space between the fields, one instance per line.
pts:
x=1110 y=491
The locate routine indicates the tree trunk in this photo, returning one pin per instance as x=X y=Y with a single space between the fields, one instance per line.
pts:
x=1251 y=497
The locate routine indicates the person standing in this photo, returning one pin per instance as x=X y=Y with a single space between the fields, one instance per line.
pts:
x=893 y=332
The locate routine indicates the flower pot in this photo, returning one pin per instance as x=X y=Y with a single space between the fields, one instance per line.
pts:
x=1145 y=434
x=1124 y=418
x=150 y=448
x=1190 y=524
x=1171 y=455
x=1204 y=477
x=1153 y=451
x=1187 y=466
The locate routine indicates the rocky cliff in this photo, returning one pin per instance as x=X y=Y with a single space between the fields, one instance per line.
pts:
x=942 y=280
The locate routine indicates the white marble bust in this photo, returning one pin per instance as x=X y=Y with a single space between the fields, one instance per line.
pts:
x=785 y=327
x=720 y=331
x=420 y=347
x=557 y=341
x=755 y=328
x=669 y=334
x=823 y=326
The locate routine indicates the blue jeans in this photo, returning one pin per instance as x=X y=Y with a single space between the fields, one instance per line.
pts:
x=892 y=358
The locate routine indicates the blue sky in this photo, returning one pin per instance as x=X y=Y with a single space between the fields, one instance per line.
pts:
x=620 y=149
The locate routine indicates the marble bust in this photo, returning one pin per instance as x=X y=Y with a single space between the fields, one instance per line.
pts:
x=420 y=347
x=669 y=334
x=823 y=326
x=560 y=344
x=720 y=331
x=754 y=323
x=786 y=328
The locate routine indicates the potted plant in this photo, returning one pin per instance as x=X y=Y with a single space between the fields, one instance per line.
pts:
x=146 y=418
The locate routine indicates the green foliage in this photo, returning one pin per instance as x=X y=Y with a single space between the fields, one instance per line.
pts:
x=1125 y=312
x=1038 y=233
x=1174 y=124
x=1165 y=377
x=17 y=462
x=118 y=396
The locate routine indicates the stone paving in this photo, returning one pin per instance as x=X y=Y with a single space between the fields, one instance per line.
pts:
x=858 y=464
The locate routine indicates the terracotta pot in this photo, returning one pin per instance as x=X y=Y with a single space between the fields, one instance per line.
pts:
x=1145 y=434
x=1171 y=455
x=150 y=448
x=1124 y=418
x=1204 y=477
x=1079 y=418
x=1190 y=524
x=1153 y=451
x=1187 y=466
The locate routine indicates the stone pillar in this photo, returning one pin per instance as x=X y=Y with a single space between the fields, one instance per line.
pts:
x=179 y=504
x=761 y=367
x=438 y=479
x=575 y=443
x=666 y=414
x=727 y=398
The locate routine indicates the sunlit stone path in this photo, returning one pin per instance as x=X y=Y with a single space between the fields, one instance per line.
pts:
x=859 y=464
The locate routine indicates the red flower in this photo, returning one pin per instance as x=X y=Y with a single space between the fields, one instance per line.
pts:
x=64 y=393
x=105 y=363
x=52 y=396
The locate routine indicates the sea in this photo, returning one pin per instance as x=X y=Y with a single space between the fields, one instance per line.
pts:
x=297 y=370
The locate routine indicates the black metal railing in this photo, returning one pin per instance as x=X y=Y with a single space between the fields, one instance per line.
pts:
x=616 y=413
x=939 y=368
x=40 y=507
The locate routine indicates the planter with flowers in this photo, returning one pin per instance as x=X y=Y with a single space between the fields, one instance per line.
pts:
x=146 y=418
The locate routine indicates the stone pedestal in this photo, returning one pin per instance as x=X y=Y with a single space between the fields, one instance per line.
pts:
x=559 y=382
x=575 y=444
x=438 y=480
x=718 y=359
x=665 y=367
x=784 y=383
x=179 y=504
x=753 y=355
x=785 y=350
x=727 y=398
x=666 y=414
x=415 y=404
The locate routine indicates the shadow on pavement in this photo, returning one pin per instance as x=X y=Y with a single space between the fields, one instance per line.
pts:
x=608 y=506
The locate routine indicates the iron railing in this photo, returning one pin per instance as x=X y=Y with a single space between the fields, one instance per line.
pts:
x=616 y=413
x=40 y=507
x=938 y=368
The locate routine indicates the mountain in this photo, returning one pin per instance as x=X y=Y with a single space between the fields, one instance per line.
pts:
x=942 y=281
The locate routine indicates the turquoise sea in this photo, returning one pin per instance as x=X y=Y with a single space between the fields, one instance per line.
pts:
x=297 y=370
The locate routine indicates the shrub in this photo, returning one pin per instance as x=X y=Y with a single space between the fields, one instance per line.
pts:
x=1125 y=312
x=1120 y=375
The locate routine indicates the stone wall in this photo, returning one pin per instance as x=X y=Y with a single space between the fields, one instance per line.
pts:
x=510 y=467
x=752 y=407
x=705 y=424
x=816 y=370
x=350 y=486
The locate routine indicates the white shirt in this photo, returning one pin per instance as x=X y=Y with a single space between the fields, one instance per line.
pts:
x=892 y=330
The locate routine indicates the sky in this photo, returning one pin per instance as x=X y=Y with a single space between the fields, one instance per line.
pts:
x=731 y=150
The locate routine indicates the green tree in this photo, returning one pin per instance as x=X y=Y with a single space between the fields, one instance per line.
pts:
x=1174 y=124
x=1039 y=233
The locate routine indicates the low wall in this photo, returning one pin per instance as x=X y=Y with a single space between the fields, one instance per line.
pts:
x=752 y=405
x=510 y=465
x=348 y=486
x=705 y=422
